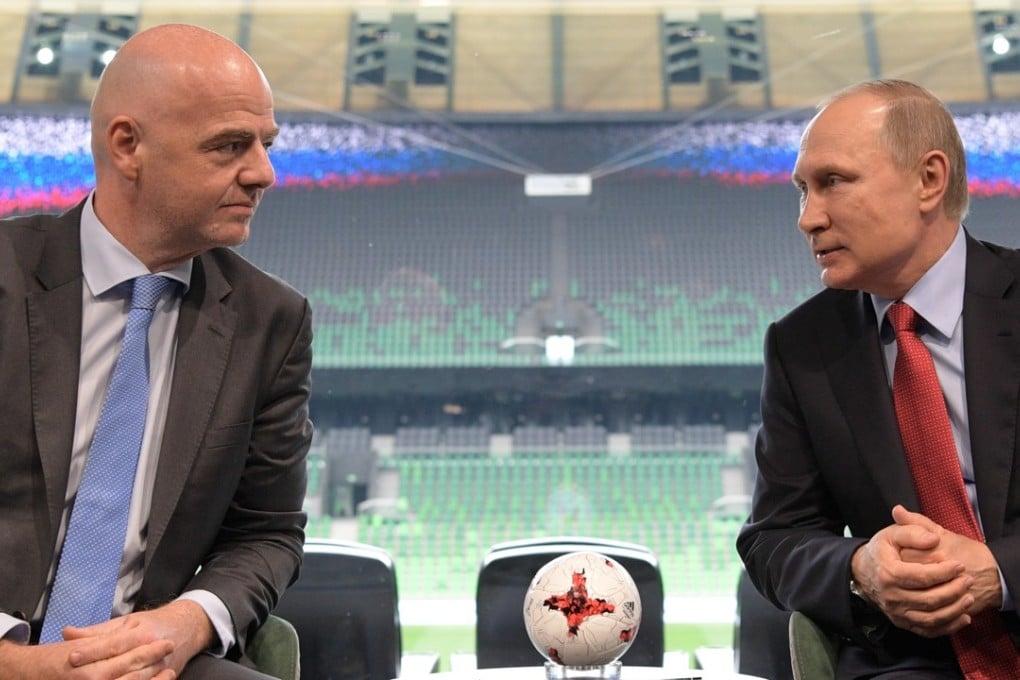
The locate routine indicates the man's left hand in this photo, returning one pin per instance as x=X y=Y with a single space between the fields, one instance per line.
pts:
x=182 y=621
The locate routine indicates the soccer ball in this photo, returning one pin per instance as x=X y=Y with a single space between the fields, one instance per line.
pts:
x=582 y=609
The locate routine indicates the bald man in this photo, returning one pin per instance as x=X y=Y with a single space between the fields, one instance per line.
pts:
x=182 y=122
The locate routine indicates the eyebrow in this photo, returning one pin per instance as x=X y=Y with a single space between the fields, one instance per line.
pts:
x=823 y=170
x=239 y=135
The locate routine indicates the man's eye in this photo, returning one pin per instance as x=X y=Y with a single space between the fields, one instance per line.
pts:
x=231 y=147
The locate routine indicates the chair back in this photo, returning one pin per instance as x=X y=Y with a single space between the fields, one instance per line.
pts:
x=501 y=639
x=813 y=652
x=275 y=650
x=344 y=607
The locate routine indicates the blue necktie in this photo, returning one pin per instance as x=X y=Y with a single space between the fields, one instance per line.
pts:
x=83 y=588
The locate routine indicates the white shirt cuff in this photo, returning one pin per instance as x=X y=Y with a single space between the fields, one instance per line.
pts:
x=217 y=612
x=14 y=629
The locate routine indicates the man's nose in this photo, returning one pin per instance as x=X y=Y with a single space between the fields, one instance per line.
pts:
x=258 y=170
x=812 y=214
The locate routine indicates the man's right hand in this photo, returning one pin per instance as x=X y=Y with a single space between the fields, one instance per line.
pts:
x=130 y=651
x=929 y=599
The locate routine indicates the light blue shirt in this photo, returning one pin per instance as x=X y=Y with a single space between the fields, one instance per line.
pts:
x=107 y=266
x=938 y=298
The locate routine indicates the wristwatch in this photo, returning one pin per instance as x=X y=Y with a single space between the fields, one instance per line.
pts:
x=867 y=616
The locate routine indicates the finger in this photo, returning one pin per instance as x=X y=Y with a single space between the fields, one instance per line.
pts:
x=904 y=517
x=935 y=631
x=150 y=660
x=119 y=641
x=922 y=556
x=912 y=536
x=154 y=656
x=914 y=576
x=95 y=630
x=903 y=601
x=940 y=621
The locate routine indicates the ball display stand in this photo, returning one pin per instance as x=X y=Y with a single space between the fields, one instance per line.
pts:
x=609 y=671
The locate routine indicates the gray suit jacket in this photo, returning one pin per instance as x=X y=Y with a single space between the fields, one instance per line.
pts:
x=226 y=512
x=830 y=456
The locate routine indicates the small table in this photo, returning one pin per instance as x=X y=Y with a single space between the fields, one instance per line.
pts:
x=628 y=673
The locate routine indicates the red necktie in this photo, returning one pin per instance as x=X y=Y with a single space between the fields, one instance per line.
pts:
x=983 y=649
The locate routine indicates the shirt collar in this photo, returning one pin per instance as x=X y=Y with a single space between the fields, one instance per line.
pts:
x=106 y=263
x=938 y=295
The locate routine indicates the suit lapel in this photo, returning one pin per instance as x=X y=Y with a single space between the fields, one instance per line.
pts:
x=54 y=334
x=850 y=341
x=991 y=314
x=205 y=330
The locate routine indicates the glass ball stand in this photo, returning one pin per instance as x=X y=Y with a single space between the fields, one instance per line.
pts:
x=609 y=671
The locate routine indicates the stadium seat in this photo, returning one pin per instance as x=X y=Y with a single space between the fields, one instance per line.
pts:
x=344 y=607
x=501 y=639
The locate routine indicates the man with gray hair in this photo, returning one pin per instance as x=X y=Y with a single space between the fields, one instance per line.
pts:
x=886 y=505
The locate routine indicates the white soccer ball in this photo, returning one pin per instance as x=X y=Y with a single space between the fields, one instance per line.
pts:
x=582 y=609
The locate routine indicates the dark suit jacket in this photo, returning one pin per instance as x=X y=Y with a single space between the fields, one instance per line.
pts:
x=231 y=477
x=830 y=456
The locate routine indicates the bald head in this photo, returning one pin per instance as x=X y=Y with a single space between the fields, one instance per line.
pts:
x=159 y=72
x=182 y=121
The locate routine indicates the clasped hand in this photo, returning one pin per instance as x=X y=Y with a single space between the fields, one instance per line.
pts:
x=925 y=578
x=151 y=644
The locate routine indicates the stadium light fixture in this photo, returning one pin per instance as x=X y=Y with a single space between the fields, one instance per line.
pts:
x=45 y=56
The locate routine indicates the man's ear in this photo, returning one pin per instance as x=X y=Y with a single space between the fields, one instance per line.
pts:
x=934 y=176
x=123 y=137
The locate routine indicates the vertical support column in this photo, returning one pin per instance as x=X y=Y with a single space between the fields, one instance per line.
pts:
x=30 y=27
x=715 y=67
x=451 y=79
x=244 y=25
x=664 y=61
x=400 y=56
x=556 y=62
x=871 y=42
